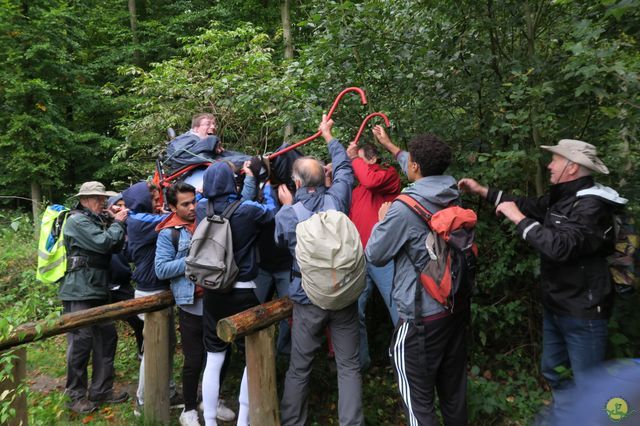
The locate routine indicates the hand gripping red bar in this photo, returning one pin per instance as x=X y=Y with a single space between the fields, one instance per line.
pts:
x=366 y=120
x=363 y=99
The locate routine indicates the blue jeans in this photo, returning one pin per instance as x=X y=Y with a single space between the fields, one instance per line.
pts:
x=382 y=278
x=570 y=343
x=264 y=283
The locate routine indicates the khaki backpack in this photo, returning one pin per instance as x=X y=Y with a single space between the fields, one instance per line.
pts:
x=331 y=259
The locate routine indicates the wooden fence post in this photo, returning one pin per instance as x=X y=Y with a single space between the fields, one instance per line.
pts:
x=261 y=377
x=156 y=367
x=11 y=384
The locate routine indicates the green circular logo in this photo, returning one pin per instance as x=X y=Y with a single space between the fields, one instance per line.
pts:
x=617 y=409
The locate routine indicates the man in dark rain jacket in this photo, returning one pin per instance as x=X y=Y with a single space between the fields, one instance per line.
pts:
x=572 y=229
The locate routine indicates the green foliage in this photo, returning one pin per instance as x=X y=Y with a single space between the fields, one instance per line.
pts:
x=79 y=99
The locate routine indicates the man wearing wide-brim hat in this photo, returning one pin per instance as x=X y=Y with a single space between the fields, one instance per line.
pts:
x=90 y=238
x=572 y=229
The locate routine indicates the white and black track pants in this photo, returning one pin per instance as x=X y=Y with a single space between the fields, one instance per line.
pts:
x=428 y=356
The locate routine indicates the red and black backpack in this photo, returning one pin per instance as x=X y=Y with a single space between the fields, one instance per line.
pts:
x=450 y=273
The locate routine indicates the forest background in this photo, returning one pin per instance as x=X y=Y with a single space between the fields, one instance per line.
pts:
x=88 y=89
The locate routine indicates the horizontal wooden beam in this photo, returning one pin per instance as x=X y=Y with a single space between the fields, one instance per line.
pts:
x=32 y=331
x=254 y=319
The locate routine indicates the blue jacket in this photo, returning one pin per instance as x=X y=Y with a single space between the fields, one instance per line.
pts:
x=169 y=264
x=219 y=186
x=314 y=200
x=141 y=245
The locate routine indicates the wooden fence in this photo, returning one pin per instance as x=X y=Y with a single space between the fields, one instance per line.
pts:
x=255 y=325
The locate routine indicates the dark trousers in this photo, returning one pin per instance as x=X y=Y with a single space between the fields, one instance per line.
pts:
x=98 y=342
x=126 y=292
x=194 y=356
x=428 y=357
x=221 y=305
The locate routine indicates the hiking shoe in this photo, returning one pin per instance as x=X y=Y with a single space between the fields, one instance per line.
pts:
x=82 y=406
x=189 y=418
x=225 y=413
x=112 y=398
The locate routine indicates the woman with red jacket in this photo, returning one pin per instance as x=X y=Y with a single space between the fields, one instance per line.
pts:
x=377 y=184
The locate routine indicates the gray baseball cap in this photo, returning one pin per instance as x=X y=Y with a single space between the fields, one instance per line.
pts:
x=579 y=152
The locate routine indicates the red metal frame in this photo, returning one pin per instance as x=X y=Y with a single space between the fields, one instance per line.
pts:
x=366 y=120
x=363 y=99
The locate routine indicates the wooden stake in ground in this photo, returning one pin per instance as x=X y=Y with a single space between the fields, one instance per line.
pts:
x=156 y=367
x=261 y=377
x=10 y=385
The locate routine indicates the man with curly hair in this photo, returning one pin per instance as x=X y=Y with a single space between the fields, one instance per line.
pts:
x=428 y=348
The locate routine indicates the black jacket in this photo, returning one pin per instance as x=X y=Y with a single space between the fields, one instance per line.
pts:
x=573 y=236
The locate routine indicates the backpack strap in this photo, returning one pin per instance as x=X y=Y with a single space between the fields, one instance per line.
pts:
x=210 y=211
x=416 y=207
x=425 y=215
x=231 y=208
x=175 y=238
x=226 y=213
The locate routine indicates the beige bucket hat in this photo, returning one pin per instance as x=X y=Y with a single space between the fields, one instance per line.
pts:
x=93 y=188
x=579 y=152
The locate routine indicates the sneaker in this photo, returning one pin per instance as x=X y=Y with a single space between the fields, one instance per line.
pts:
x=189 y=418
x=112 y=398
x=138 y=409
x=82 y=406
x=225 y=413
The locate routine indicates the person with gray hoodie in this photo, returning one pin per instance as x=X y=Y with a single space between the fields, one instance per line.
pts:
x=428 y=349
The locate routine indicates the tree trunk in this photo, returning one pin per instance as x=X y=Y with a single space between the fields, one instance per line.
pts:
x=36 y=199
x=133 y=20
x=530 y=20
x=288 y=50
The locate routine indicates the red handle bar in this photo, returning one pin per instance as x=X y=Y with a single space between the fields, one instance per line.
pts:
x=363 y=99
x=366 y=120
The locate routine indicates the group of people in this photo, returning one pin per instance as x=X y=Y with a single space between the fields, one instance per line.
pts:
x=571 y=227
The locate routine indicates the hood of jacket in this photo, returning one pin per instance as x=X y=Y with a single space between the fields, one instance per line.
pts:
x=605 y=193
x=434 y=192
x=137 y=198
x=218 y=182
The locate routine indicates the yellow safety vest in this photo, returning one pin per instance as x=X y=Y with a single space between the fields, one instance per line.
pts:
x=52 y=254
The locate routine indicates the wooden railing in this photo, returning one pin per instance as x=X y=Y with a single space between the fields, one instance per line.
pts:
x=255 y=325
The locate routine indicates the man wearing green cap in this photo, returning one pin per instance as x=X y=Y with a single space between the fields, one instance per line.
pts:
x=572 y=229
x=90 y=239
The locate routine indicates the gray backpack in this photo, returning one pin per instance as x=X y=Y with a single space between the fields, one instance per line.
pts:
x=210 y=263
x=330 y=256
